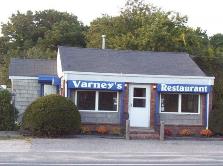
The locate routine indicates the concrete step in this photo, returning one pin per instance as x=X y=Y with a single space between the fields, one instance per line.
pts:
x=143 y=133
x=141 y=130
x=144 y=136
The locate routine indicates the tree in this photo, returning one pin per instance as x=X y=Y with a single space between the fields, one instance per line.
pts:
x=216 y=42
x=142 y=26
x=37 y=35
x=45 y=29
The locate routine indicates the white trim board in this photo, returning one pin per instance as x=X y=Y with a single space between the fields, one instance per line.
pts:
x=134 y=78
x=22 y=78
x=59 y=65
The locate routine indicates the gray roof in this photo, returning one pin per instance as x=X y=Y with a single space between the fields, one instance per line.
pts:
x=32 y=67
x=128 y=62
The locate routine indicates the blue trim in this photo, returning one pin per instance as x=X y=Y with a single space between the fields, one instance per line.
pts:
x=49 y=79
x=122 y=107
x=157 y=109
x=206 y=111
x=58 y=89
x=41 y=89
x=68 y=92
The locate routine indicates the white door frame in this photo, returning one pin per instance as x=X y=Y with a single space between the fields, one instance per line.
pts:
x=139 y=117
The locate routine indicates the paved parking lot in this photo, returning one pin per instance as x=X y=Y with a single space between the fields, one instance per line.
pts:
x=101 y=151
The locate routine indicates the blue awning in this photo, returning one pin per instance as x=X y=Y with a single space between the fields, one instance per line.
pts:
x=49 y=79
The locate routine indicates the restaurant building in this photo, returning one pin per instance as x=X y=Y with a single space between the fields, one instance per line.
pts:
x=111 y=86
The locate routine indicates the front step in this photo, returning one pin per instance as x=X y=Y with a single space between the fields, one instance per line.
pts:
x=143 y=133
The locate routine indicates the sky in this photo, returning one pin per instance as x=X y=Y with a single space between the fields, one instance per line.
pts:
x=207 y=14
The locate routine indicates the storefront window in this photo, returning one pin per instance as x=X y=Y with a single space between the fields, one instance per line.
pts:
x=86 y=100
x=96 y=100
x=189 y=103
x=107 y=101
x=169 y=103
x=179 y=103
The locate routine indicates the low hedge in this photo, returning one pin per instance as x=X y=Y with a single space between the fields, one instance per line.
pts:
x=51 y=116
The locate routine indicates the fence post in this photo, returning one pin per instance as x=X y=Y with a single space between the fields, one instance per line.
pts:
x=127 y=129
x=162 y=131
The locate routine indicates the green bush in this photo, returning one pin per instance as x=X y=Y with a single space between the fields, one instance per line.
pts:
x=51 y=116
x=7 y=115
x=216 y=119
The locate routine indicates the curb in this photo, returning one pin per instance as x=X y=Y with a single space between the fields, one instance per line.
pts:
x=195 y=138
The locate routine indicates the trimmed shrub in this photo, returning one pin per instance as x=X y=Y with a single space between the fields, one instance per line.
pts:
x=51 y=116
x=116 y=130
x=7 y=114
x=168 y=132
x=102 y=130
x=206 y=133
x=185 y=132
x=85 y=130
x=216 y=120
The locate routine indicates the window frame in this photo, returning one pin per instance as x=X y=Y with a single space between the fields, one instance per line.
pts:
x=180 y=104
x=42 y=91
x=97 y=102
x=49 y=85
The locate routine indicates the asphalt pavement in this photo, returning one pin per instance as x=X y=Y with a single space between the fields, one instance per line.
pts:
x=104 y=151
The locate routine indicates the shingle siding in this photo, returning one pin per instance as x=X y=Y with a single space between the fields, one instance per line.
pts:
x=100 y=117
x=26 y=92
x=174 y=119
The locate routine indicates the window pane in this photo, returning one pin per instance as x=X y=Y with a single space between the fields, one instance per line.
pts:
x=169 y=102
x=107 y=101
x=49 y=89
x=86 y=100
x=139 y=92
x=139 y=102
x=189 y=103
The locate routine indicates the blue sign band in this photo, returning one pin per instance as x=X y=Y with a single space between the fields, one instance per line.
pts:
x=97 y=85
x=183 y=88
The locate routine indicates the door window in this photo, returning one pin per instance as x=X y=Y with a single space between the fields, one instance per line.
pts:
x=139 y=97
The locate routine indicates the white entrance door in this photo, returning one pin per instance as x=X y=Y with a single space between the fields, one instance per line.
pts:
x=139 y=107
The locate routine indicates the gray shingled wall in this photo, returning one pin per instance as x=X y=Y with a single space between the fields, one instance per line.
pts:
x=100 y=117
x=26 y=92
x=181 y=119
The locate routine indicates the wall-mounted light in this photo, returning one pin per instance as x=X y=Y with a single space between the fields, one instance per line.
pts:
x=154 y=86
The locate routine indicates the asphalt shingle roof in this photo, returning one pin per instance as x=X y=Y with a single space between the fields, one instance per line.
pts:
x=32 y=67
x=128 y=62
